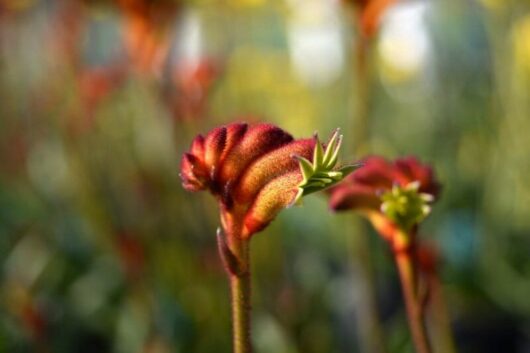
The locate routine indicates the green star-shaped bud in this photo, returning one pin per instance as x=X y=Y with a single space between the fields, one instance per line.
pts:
x=406 y=206
x=322 y=173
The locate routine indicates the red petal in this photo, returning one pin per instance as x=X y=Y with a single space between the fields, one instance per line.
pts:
x=353 y=196
x=214 y=144
x=275 y=196
x=234 y=134
x=269 y=166
x=193 y=174
x=197 y=147
x=258 y=140
x=376 y=172
x=409 y=169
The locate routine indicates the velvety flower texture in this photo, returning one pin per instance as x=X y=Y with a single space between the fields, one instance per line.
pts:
x=365 y=189
x=250 y=169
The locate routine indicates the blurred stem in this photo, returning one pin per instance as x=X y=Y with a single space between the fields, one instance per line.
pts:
x=241 y=296
x=362 y=92
x=445 y=342
x=402 y=243
x=368 y=315
x=369 y=322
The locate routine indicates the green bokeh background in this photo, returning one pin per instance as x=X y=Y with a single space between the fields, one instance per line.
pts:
x=101 y=250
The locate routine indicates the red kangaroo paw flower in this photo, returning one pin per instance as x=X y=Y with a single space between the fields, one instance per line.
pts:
x=253 y=172
x=393 y=195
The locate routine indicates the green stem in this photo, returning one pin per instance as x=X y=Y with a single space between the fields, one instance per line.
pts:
x=441 y=321
x=363 y=94
x=241 y=298
x=405 y=265
x=370 y=330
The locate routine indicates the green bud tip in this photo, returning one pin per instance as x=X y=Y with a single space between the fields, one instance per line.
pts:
x=406 y=206
x=321 y=173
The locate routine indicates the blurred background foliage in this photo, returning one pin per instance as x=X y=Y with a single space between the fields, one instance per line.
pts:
x=103 y=251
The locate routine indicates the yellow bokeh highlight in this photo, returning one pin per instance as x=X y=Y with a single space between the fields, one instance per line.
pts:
x=494 y=5
x=390 y=70
x=521 y=45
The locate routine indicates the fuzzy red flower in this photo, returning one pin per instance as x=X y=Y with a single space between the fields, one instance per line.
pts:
x=257 y=170
x=365 y=191
x=250 y=170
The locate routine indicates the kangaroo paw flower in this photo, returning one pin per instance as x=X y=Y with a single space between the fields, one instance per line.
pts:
x=251 y=171
x=393 y=196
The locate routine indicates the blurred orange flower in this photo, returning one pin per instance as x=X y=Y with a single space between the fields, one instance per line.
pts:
x=187 y=92
x=392 y=195
x=146 y=31
x=369 y=13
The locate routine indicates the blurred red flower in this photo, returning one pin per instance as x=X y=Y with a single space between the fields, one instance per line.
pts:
x=363 y=190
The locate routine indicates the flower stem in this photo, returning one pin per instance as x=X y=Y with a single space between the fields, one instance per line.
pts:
x=405 y=265
x=241 y=298
x=443 y=339
x=362 y=71
x=371 y=333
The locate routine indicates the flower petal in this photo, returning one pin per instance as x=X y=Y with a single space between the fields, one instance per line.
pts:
x=269 y=166
x=258 y=140
x=376 y=172
x=409 y=169
x=275 y=196
x=346 y=196
x=214 y=145
x=193 y=173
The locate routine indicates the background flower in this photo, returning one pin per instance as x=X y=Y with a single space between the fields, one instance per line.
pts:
x=390 y=194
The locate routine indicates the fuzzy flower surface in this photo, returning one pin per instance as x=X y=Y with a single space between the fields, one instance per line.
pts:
x=392 y=195
x=256 y=170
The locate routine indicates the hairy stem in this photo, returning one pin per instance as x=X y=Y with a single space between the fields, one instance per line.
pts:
x=241 y=298
x=405 y=265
